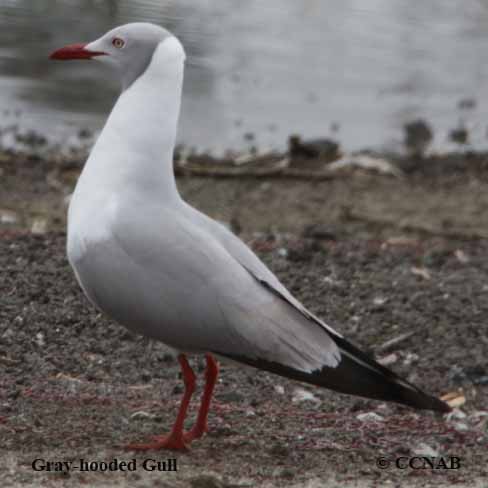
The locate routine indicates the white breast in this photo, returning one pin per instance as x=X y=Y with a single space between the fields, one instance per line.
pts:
x=89 y=219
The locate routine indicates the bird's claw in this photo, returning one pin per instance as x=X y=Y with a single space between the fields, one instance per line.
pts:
x=172 y=442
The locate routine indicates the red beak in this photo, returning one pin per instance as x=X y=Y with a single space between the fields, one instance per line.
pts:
x=75 y=51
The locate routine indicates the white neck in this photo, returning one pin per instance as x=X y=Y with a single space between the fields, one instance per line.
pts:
x=135 y=149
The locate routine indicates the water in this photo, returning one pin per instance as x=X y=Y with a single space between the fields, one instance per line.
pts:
x=265 y=68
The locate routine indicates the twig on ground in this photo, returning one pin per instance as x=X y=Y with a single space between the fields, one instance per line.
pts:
x=389 y=344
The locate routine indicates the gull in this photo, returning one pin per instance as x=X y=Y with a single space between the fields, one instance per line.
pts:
x=162 y=268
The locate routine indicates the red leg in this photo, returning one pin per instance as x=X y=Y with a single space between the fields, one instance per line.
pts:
x=211 y=374
x=176 y=439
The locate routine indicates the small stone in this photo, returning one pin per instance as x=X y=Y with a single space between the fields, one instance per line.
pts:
x=388 y=360
x=369 y=417
x=461 y=256
x=250 y=412
x=410 y=358
x=279 y=389
x=39 y=226
x=9 y=333
x=141 y=415
x=456 y=414
x=40 y=339
x=282 y=252
x=460 y=426
x=302 y=395
x=423 y=449
x=19 y=320
x=8 y=217
x=421 y=272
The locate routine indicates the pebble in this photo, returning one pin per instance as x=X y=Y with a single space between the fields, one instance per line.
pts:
x=141 y=415
x=460 y=426
x=370 y=417
x=39 y=226
x=10 y=332
x=302 y=395
x=40 y=339
x=388 y=360
x=423 y=449
x=421 y=272
x=250 y=412
x=410 y=358
x=455 y=414
x=279 y=389
x=8 y=217
x=461 y=256
x=282 y=252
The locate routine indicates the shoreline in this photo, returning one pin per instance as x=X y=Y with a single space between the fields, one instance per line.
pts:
x=360 y=193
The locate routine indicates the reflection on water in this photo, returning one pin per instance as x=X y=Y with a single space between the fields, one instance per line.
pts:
x=267 y=67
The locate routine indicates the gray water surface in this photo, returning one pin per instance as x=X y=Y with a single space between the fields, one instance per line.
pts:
x=262 y=67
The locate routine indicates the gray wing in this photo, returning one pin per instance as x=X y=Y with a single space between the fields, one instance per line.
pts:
x=246 y=257
x=224 y=300
x=223 y=305
x=354 y=372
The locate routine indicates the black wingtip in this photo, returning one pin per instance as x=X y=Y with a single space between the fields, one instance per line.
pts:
x=384 y=383
x=357 y=373
x=377 y=382
x=441 y=406
x=407 y=394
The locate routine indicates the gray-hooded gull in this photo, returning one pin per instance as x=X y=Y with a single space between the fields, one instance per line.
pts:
x=163 y=269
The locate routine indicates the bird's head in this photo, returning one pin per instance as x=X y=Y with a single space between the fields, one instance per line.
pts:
x=129 y=48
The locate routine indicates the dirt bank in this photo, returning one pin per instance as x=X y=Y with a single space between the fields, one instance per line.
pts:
x=445 y=195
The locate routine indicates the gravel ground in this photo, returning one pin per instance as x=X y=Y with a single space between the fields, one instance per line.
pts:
x=377 y=257
x=75 y=385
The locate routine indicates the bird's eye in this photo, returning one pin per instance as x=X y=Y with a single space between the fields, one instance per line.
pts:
x=118 y=42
